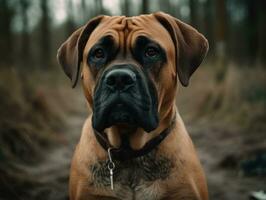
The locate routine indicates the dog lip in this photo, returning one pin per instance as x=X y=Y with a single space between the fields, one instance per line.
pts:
x=123 y=100
x=118 y=113
x=121 y=113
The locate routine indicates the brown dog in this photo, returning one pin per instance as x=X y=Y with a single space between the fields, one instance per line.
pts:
x=134 y=146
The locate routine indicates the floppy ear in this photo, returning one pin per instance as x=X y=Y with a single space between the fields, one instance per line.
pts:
x=69 y=55
x=191 y=47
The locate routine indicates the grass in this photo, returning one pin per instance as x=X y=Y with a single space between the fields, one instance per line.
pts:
x=238 y=100
x=31 y=119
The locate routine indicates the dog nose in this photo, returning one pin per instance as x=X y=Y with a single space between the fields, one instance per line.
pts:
x=120 y=79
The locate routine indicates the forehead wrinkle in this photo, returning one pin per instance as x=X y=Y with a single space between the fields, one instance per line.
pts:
x=108 y=26
x=132 y=28
x=139 y=25
x=125 y=31
x=115 y=27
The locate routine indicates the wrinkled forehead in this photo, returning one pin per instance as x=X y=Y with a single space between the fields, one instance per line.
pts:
x=125 y=30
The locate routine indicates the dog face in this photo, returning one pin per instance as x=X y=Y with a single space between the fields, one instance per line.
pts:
x=130 y=66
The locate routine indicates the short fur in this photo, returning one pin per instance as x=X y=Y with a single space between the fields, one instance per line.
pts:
x=172 y=170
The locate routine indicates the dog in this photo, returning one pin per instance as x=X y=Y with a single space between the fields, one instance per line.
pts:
x=134 y=145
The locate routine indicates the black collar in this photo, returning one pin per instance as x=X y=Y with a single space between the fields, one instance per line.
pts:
x=128 y=153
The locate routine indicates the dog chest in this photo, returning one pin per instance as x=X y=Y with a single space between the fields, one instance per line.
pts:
x=133 y=179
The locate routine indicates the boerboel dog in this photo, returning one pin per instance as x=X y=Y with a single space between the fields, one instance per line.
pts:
x=134 y=145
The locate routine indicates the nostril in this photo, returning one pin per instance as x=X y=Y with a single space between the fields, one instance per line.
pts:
x=127 y=79
x=111 y=80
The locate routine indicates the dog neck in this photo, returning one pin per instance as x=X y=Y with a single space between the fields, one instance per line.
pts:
x=125 y=151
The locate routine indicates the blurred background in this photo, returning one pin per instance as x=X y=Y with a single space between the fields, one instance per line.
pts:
x=41 y=116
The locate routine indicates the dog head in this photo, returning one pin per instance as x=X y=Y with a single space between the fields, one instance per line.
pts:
x=129 y=67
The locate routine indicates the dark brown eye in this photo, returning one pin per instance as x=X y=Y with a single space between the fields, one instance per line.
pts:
x=99 y=53
x=151 y=52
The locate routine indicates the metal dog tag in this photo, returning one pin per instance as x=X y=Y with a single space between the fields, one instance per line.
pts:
x=111 y=167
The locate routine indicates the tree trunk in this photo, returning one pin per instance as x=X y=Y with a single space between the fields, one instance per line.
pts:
x=6 y=36
x=193 y=13
x=25 y=46
x=83 y=8
x=216 y=99
x=99 y=7
x=165 y=5
x=126 y=7
x=261 y=33
x=252 y=24
x=220 y=28
x=220 y=38
x=45 y=34
x=70 y=26
x=145 y=6
x=208 y=24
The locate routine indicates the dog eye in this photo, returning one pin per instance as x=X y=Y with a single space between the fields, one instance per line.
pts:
x=151 y=52
x=98 y=53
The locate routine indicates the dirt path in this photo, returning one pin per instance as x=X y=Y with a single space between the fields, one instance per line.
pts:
x=217 y=144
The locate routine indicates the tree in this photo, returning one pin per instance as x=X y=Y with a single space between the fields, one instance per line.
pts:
x=125 y=4
x=99 y=7
x=25 y=46
x=193 y=6
x=208 y=23
x=166 y=6
x=84 y=10
x=70 y=25
x=261 y=32
x=255 y=30
x=252 y=24
x=216 y=98
x=6 y=35
x=145 y=7
x=220 y=27
x=220 y=38
x=45 y=35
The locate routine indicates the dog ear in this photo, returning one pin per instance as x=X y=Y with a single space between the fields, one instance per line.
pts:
x=69 y=55
x=191 y=47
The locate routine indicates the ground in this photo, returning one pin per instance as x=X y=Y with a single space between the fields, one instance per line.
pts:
x=212 y=142
x=220 y=148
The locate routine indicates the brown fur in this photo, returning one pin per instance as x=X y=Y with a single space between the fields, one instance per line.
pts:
x=185 y=50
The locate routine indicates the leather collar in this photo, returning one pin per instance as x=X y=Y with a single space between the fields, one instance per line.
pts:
x=128 y=153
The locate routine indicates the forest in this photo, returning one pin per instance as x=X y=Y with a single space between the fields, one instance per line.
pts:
x=41 y=116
